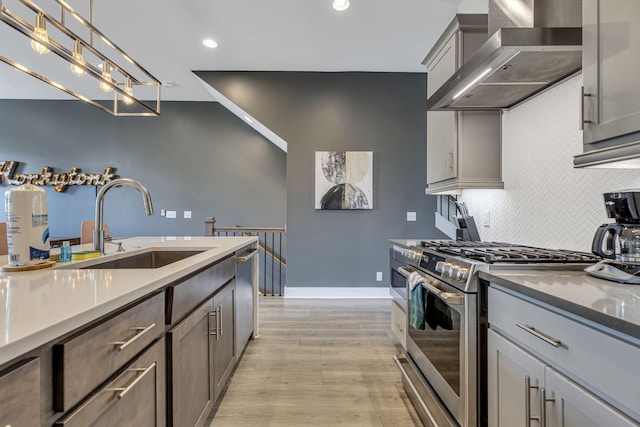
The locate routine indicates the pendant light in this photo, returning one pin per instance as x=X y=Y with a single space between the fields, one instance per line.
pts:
x=40 y=32
x=106 y=77
x=341 y=5
x=129 y=90
x=77 y=55
x=72 y=42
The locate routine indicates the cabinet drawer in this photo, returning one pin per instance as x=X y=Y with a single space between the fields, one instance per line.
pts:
x=136 y=397
x=605 y=365
x=20 y=395
x=84 y=361
x=183 y=297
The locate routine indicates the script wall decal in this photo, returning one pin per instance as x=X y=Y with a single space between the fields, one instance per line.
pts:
x=60 y=181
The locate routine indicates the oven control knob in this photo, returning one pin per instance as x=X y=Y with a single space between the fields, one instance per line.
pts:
x=440 y=266
x=453 y=271
x=462 y=274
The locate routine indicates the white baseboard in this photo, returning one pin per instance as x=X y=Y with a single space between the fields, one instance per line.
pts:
x=336 y=292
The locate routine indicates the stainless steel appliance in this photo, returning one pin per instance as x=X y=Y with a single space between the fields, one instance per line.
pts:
x=532 y=44
x=619 y=242
x=442 y=368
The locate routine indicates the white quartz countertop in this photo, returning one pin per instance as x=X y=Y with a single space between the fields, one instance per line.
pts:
x=604 y=302
x=36 y=307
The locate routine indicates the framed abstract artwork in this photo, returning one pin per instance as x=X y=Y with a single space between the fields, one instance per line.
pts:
x=344 y=180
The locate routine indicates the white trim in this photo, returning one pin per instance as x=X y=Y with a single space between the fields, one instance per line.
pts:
x=336 y=292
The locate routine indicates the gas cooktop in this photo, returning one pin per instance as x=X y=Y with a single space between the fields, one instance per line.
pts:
x=498 y=252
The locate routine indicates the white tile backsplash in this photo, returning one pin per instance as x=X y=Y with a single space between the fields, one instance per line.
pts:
x=546 y=202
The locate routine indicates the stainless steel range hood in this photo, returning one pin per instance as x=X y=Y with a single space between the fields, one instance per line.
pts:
x=534 y=44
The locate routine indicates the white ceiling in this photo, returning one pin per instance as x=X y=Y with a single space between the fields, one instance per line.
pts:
x=276 y=35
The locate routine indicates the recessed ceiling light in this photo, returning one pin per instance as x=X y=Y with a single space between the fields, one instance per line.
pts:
x=248 y=119
x=341 y=5
x=210 y=43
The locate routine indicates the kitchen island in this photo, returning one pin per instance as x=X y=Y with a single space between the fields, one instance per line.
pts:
x=570 y=340
x=81 y=326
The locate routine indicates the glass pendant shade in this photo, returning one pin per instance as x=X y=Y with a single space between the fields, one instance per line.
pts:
x=40 y=32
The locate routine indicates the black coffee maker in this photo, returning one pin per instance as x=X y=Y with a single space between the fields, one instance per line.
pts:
x=619 y=242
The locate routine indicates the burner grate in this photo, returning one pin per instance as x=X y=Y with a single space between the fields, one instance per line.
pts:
x=496 y=252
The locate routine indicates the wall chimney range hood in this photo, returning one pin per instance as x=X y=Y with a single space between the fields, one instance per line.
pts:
x=532 y=45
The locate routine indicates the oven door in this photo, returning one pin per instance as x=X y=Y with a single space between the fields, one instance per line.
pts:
x=398 y=281
x=444 y=348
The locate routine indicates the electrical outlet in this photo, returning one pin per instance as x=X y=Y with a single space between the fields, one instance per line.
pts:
x=187 y=214
x=486 y=218
x=171 y=214
x=163 y=212
x=379 y=276
x=411 y=216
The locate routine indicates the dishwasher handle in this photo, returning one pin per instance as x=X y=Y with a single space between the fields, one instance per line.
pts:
x=249 y=255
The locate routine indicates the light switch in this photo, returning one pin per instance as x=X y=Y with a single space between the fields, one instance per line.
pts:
x=486 y=218
x=187 y=214
x=379 y=276
x=171 y=214
x=411 y=216
x=163 y=212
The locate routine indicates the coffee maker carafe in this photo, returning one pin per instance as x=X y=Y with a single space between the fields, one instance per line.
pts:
x=619 y=242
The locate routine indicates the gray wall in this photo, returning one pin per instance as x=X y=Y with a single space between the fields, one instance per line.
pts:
x=195 y=156
x=380 y=112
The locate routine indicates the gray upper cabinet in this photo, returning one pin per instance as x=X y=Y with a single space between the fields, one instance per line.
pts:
x=610 y=106
x=463 y=148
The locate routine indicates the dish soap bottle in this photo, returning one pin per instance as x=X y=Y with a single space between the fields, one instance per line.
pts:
x=65 y=252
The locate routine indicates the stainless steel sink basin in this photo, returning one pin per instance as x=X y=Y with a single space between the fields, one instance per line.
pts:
x=151 y=259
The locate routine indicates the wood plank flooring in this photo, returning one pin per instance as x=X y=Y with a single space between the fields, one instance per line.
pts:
x=318 y=363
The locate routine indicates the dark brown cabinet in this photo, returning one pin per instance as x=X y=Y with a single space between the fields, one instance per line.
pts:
x=190 y=351
x=224 y=348
x=136 y=397
x=20 y=395
x=201 y=349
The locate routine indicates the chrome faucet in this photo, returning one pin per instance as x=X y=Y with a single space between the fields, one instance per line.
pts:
x=98 y=232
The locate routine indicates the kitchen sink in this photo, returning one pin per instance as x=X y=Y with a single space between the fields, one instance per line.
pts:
x=151 y=259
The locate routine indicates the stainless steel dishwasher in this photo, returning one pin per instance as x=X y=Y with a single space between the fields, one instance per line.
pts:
x=245 y=315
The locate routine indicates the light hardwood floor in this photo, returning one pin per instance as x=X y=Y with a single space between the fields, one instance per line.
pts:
x=319 y=363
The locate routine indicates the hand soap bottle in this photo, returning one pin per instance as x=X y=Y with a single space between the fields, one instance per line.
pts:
x=65 y=252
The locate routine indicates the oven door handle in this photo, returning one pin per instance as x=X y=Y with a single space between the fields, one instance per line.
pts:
x=450 y=298
x=404 y=272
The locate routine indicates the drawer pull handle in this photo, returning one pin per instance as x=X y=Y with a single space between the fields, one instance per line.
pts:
x=549 y=340
x=121 y=345
x=122 y=391
x=527 y=401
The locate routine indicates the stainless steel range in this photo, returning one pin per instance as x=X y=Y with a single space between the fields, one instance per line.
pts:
x=446 y=330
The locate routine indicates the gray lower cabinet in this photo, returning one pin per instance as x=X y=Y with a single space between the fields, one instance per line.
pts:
x=201 y=352
x=524 y=391
x=547 y=367
x=610 y=104
x=20 y=395
x=135 y=397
